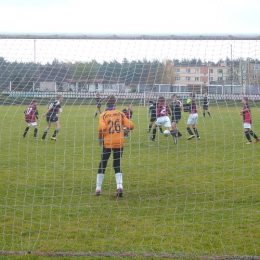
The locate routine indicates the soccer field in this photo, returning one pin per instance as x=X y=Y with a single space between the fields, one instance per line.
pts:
x=197 y=198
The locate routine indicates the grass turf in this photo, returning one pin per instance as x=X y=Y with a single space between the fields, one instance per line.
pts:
x=199 y=198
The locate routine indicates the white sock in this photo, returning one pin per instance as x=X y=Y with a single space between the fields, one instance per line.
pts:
x=119 y=180
x=100 y=177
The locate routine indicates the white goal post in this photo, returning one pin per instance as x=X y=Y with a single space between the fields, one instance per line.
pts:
x=192 y=194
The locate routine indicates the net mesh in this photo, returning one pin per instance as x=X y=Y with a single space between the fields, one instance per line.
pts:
x=197 y=198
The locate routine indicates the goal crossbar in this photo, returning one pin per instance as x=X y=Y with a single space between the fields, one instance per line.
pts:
x=90 y=36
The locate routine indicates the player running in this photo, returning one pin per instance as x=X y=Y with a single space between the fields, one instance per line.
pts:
x=31 y=115
x=162 y=115
x=152 y=113
x=247 y=121
x=111 y=138
x=206 y=102
x=193 y=118
x=52 y=117
x=99 y=101
x=176 y=108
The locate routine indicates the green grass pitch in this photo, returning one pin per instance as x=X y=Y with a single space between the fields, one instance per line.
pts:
x=199 y=198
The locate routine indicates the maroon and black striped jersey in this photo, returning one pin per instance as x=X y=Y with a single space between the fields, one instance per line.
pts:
x=31 y=113
x=247 y=118
x=193 y=107
x=162 y=109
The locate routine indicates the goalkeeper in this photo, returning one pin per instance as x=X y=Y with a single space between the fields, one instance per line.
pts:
x=111 y=138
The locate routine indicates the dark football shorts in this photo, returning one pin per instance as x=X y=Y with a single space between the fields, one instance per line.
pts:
x=52 y=119
x=205 y=107
x=176 y=119
x=152 y=119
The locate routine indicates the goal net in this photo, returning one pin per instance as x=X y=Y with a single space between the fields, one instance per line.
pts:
x=196 y=196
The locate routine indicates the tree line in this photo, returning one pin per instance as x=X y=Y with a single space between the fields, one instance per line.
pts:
x=24 y=75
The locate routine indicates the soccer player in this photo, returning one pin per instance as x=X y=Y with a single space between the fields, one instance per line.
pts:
x=206 y=104
x=128 y=113
x=52 y=117
x=111 y=138
x=152 y=113
x=162 y=115
x=176 y=108
x=31 y=115
x=99 y=101
x=247 y=120
x=193 y=118
x=188 y=99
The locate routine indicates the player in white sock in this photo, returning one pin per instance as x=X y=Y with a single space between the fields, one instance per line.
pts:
x=111 y=137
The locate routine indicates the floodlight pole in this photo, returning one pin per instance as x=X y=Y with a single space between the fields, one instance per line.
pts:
x=34 y=50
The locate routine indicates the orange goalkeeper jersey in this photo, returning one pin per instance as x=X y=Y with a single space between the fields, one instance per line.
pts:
x=111 y=128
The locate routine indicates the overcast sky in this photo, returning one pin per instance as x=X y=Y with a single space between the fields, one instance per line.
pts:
x=130 y=16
